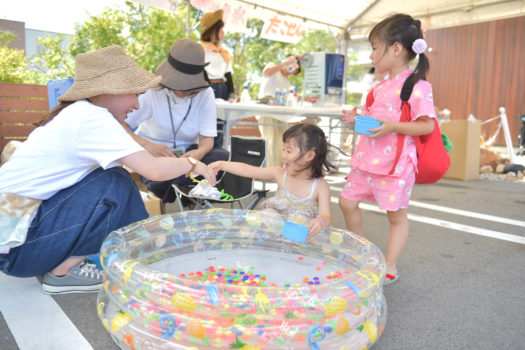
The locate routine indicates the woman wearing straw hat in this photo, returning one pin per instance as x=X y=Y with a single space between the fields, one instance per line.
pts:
x=180 y=118
x=63 y=190
x=219 y=69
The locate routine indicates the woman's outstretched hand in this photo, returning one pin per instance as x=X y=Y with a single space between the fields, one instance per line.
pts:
x=206 y=171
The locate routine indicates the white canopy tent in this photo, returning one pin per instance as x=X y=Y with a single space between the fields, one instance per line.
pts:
x=356 y=17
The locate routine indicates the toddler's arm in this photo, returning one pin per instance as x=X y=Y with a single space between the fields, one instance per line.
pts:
x=324 y=218
x=246 y=170
x=349 y=116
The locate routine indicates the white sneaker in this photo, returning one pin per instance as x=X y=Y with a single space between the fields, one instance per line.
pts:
x=81 y=278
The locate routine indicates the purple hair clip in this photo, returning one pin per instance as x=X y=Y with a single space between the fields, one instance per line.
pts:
x=419 y=46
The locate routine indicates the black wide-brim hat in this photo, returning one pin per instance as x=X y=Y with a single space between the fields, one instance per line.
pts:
x=183 y=70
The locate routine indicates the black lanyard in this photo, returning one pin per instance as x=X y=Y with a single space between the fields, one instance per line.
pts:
x=182 y=122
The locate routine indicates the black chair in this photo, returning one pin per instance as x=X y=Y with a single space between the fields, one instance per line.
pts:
x=249 y=150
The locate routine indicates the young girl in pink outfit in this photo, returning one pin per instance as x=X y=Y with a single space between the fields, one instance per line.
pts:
x=395 y=42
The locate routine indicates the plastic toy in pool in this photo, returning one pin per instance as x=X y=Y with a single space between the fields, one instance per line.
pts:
x=228 y=279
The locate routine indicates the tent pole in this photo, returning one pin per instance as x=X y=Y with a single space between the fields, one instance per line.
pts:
x=342 y=48
x=188 y=25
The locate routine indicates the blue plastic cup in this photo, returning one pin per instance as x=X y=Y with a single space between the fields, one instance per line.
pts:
x=295 y=232
x=364 y=123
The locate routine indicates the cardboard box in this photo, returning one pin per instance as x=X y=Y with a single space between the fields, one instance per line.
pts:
x=152 y=203
x=464 y=157
x=136 y=177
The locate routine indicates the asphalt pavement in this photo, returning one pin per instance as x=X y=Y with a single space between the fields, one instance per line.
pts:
x=462 y=277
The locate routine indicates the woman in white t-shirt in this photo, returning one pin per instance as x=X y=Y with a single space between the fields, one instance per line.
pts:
x=219 y=62
x=178 y=119
x=64 y=190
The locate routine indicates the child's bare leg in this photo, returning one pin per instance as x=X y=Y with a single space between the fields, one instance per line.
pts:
x=352 y=215
x=397 y=238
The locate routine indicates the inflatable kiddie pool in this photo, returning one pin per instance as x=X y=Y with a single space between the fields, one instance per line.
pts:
x=227 y=279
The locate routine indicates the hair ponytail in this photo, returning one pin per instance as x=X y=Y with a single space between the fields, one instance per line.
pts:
x=419 y=73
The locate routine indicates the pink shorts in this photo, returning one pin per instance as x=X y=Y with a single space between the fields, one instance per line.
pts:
x=391 y=193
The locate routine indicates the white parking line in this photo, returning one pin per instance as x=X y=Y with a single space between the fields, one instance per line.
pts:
x=35 y=319
x=468 y=213
x=453 y=225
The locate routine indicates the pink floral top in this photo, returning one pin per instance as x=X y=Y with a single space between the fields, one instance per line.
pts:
x=377 y=155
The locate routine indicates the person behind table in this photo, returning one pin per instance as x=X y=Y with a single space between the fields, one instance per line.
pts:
x=64 y=190
x=395 y=42
x=274 y=77
x=303 y=195
x=220 y=68
x=178 y=119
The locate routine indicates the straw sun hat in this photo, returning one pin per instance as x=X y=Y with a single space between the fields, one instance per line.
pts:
x=209 y=19
x=108 y=71
x=183 y=70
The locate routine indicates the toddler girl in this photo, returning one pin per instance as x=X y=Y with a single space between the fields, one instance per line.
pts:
x=303 y=195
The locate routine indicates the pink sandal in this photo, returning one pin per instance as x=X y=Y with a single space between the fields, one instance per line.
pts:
x=390 y=279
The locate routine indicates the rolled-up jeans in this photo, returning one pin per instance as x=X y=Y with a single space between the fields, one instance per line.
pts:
x=75 y=221
x=220 y=90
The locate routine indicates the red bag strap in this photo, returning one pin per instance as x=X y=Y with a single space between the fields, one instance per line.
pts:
x=405 y=117
x=406 y=91
x=370 y=96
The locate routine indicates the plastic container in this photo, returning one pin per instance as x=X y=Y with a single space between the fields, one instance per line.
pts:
x=291 y=100
x=282 y=101
x=295 y=232
x=245 y=95
x=277 y=98
x=364 y=123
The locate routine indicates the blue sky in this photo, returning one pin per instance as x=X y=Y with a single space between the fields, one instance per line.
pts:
x=53 y=15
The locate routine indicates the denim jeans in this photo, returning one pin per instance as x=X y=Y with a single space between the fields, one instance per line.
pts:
x=220 y=91
x=163 y=189
x=75 y=221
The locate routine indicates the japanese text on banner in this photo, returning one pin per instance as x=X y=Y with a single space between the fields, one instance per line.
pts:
x=282 y=28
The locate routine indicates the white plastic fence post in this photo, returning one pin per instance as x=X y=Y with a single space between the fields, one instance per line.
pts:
x=506 y=133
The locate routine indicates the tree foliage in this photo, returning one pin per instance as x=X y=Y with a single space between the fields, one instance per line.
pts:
x=13 y=65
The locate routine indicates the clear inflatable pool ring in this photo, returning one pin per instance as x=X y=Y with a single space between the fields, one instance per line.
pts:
x=228 y=279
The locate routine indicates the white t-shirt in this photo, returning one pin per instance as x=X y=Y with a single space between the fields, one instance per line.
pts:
x=271 y=83
x=153 y=117
x=218 y=67
x=81 y=138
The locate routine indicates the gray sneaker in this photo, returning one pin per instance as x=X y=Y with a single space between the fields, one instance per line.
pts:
x=84 y=277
